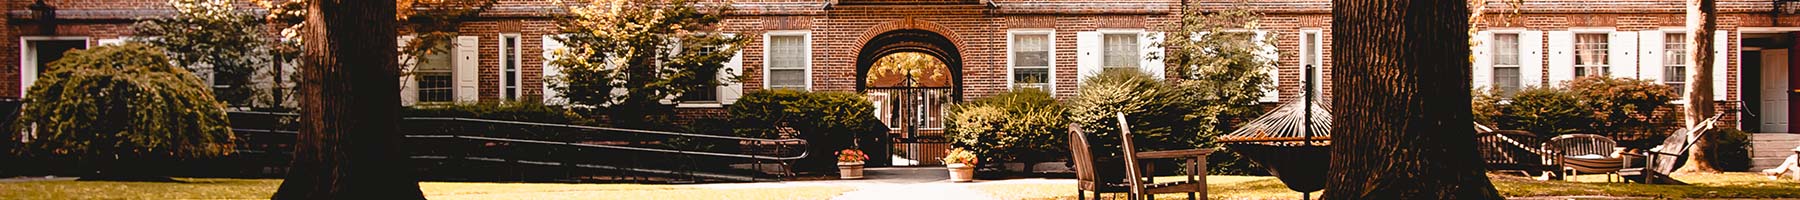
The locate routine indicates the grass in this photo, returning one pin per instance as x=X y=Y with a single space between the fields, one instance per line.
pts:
x=218 y=188
x=1725 y=185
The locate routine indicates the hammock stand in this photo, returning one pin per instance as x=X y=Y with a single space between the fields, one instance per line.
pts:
x=1293 y=142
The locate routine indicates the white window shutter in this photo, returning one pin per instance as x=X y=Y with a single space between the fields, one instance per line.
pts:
x=732 y=90
x=551 y=73
x=1482 y=74
x=467 y=56
x=409 y=88
x=1650 y=55
x=1621 y=54
x=1531 y=58
x=1562 y=57
x=1720 y=43
x=1151 y=43
x=1087 y=54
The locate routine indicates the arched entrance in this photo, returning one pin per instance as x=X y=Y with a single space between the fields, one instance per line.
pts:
x=910 y=75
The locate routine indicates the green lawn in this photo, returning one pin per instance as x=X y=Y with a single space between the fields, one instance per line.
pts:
x=215 y=188
x=1726 y=185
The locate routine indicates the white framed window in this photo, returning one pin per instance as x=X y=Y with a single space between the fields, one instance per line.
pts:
x=1121 y=51
x=36 y=52
x=1506 y=63
x=1312 y=54
x=1591 y=51
x=511 y=87
x=787 y=60
x=1675 y=62
x=1031 y=58
x=434 y=74
x=713 y=96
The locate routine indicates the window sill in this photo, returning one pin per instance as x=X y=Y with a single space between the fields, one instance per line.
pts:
x=707 y=104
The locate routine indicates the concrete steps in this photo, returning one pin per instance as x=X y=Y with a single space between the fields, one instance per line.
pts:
x=1769 y=149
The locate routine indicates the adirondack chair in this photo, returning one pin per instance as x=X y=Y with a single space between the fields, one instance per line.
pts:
x=1666 y=158
x=1090 y=178
x=1585 y=153
x=1513 y=150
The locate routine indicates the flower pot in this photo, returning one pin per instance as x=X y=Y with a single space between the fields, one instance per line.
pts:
x=850 y=170
x=960 y=172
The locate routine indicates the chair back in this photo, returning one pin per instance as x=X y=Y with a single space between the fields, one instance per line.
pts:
x=1675 y=148
x=1081 y=156
x=1509 y=148
x=1580 y=144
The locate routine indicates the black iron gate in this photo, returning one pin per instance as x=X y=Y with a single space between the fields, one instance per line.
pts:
x=915 y=117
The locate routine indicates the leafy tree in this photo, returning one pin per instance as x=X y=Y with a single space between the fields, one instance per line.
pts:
x=214 y=39
x=127 y=107
x=1223 y=73
x=626 y=56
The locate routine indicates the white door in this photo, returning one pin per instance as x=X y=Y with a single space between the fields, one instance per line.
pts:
x=1774 y=91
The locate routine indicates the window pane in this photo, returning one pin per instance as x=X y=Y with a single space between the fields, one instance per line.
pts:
x=1031 y=75
x=1121 y=51
x=434 y=87
x=1031 y=50
x=1506 y=49
x=1675 y=49
x=1590 y=54
x=701 y=94
x=794 y=78
x=1506 y=79
x=787 y=52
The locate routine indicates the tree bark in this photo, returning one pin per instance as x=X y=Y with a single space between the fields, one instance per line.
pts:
x=1701 y=22
x=347 y=146
x=1402 y=121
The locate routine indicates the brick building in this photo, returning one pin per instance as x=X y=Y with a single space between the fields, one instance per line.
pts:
x=989 y=46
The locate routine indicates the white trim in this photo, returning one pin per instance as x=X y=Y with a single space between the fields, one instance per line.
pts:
x=1741 y=30
x=1506 y=30
x=28 y=58
x=1592 y=30
x=518 y=64
x=1317 y=59
x=807 y=68
x=1050 y=42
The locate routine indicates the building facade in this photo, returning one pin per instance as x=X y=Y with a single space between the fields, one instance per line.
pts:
x=981 y=48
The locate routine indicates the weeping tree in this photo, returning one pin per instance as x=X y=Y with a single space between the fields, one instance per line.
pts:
x=126 y=110
x=216 y=41
x=1401 y=126
x=627 y=56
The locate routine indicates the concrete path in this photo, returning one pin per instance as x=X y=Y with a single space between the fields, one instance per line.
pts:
x=899 y=183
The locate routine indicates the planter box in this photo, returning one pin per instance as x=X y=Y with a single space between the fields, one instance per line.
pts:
x=850 y=170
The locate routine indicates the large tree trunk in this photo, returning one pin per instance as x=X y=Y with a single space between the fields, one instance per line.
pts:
x=348 y=107
x=1402 y=125
x=1701 y=22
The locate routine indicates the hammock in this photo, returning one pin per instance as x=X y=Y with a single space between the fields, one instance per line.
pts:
x=1281 y=143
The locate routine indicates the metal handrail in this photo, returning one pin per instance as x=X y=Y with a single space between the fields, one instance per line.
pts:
x=802 y=155
x=601 y=128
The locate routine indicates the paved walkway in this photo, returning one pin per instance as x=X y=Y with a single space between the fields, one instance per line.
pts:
x=899 y=183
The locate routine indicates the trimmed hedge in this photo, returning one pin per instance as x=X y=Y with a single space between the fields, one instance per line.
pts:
x=528 y=111
x=828 y=121
x=1020 y=125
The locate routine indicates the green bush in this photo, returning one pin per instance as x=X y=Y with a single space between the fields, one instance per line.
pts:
x=828 y=121
x=1162 y=116
x=126 y=106
x=529 y=111
x=1021 y=125
x=1485 y=105
x=1625 y=109
x=1545 y=111
x=1730 y=150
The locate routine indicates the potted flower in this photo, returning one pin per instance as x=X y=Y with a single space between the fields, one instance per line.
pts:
x=850 y=163
x=961 y=164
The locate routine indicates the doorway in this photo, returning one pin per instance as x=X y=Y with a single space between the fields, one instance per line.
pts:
x=1768 y=81
x=911 y=76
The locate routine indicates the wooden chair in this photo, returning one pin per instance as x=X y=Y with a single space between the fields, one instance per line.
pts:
x=1089 y=177
x=1513 y=150
x=1665 y=158
x=1575 y=153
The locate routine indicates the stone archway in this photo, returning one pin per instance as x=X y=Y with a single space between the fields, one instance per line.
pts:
x=910 y=74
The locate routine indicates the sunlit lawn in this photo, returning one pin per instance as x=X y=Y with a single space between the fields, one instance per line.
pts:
x=213 y=188
x=1726 y=185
